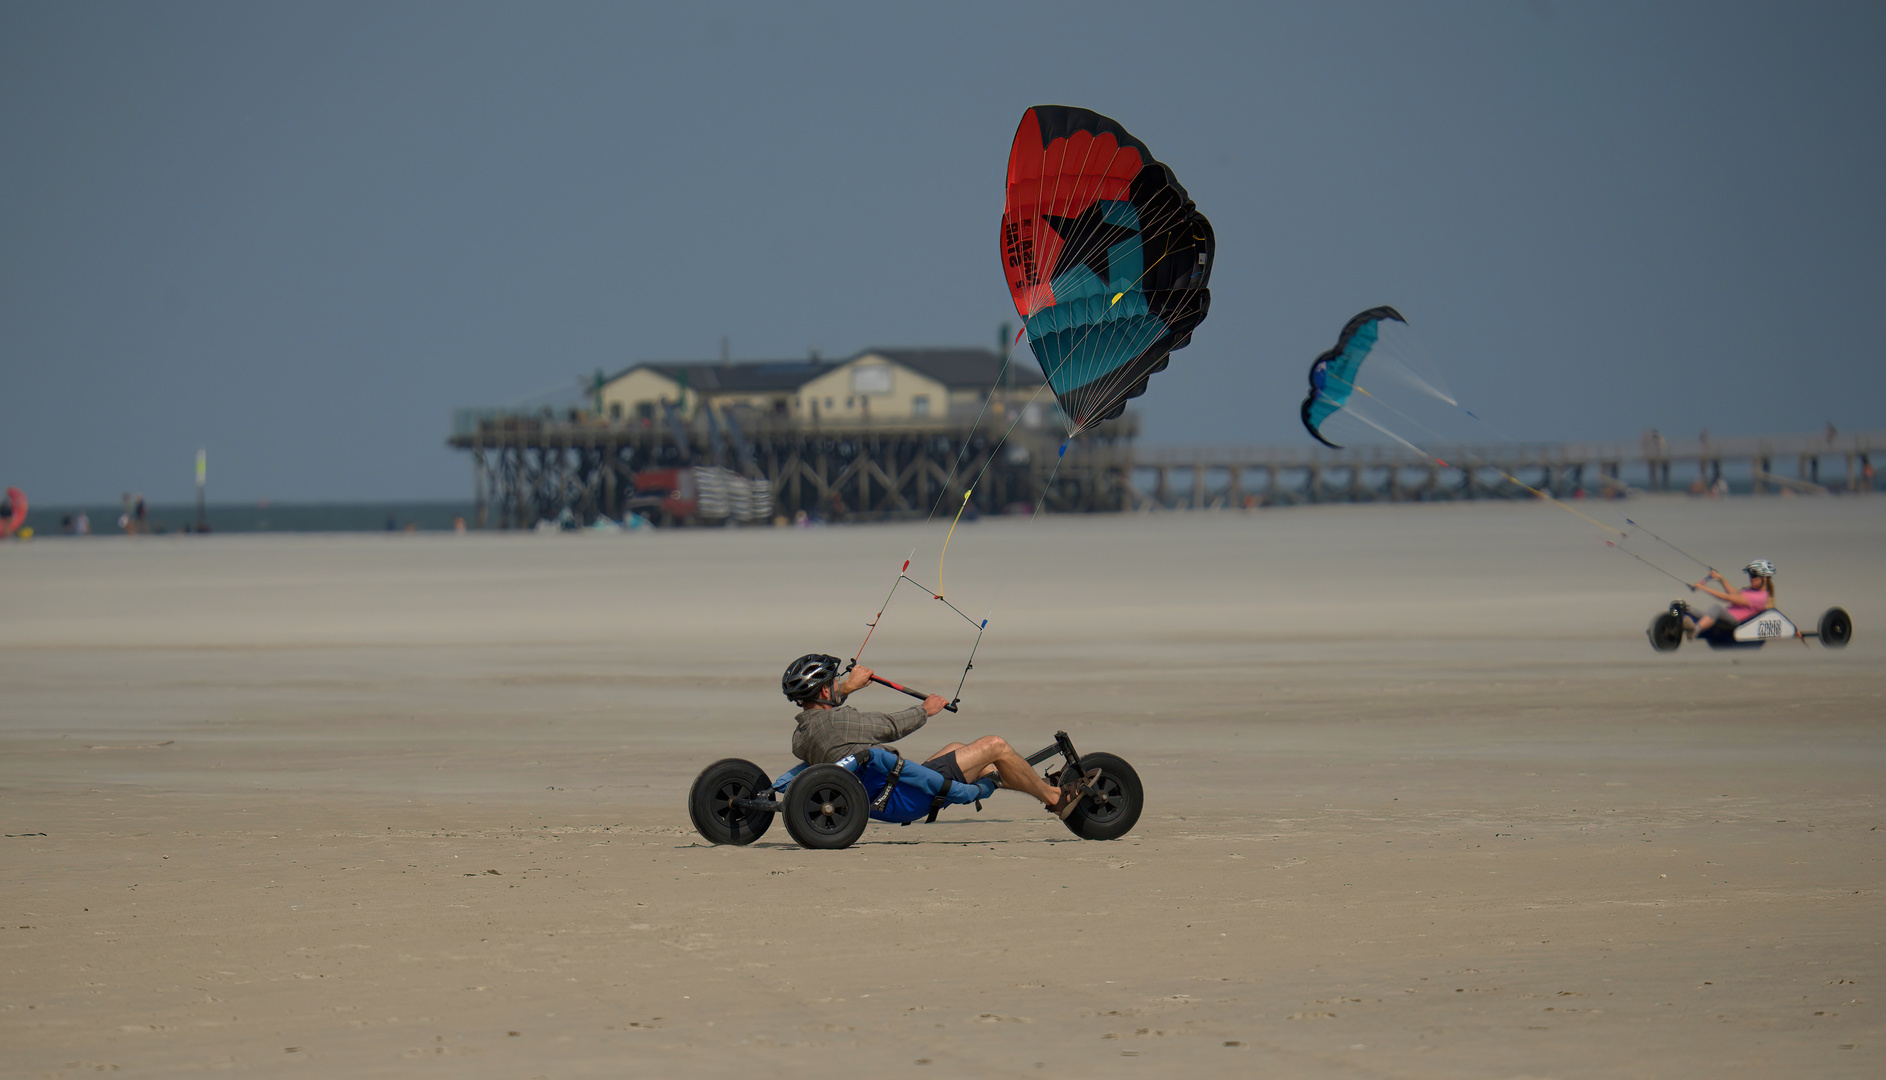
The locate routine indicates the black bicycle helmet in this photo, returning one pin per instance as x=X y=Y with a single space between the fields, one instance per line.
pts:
x=805 y=676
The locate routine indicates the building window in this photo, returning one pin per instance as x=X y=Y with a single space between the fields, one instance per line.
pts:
x=828 y=403
x=920 y=405
x=871 y=379
x=615 y=410
x=645 y=410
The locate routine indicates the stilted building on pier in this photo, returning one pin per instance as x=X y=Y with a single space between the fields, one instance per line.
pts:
x=882 y=434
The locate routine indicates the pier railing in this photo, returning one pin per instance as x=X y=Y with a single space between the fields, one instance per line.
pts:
x=1198 y=477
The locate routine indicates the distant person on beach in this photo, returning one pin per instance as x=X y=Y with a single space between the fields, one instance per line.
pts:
x=1743 y=604
x=125 y=521
x=829 y=730
x=139 y=514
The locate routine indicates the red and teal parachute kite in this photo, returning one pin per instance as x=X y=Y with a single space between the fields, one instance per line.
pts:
x=1106 y=256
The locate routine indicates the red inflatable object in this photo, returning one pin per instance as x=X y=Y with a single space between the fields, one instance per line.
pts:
x=16 y=501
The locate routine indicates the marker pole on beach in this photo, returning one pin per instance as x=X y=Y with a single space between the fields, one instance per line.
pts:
x=202 y=473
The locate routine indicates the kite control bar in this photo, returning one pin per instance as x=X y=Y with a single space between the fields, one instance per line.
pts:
x=918 y=694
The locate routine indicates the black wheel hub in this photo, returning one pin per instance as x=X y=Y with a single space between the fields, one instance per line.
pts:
x=1106 y=800
x=725 y=812
x=827 y=809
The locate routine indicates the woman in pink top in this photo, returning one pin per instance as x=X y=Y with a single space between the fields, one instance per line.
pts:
x=1743 y=604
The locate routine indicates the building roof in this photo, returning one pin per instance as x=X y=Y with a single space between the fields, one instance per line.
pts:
x=743 y=377
x=960 y=367
x=951 y=367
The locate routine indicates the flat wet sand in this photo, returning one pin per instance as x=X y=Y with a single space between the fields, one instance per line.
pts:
x=1422 y=802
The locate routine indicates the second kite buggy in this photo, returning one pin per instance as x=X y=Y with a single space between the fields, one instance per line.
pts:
x=1667 y=629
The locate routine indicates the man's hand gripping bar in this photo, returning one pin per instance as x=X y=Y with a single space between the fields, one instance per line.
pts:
x=918 y=694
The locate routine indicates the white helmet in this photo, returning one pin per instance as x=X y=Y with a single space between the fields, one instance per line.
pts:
x=1761 y=568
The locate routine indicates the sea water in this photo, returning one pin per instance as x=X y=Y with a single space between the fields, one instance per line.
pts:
x=54 y=521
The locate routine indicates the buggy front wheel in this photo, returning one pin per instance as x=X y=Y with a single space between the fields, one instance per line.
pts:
x=1111 y=809
x=1666 y=632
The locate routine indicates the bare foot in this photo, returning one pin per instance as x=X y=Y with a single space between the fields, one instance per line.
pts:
x=1071 y=793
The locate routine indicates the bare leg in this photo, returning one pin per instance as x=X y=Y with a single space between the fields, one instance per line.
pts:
x=969 y=774
x=993 y=752
x=1705 y=623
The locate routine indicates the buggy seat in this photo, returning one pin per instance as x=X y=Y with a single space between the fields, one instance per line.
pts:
x=918 y=791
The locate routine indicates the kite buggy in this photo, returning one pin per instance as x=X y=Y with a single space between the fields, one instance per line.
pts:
x=1667 y=630
x=828 y=806
x=1750 y=619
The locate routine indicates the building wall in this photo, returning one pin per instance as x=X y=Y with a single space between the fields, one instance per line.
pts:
x=765 y=404
x=642 y=386
x=873 y=386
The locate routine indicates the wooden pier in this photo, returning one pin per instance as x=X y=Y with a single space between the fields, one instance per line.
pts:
x=531 y=468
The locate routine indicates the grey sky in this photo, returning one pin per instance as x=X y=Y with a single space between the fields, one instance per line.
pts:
x=301 y=234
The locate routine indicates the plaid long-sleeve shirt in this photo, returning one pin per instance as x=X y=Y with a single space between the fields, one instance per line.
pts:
x=826 y=735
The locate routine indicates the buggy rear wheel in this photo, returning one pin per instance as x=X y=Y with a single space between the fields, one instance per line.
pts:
x=825 y=807
x=710 y=802
x=1835 y=628
x=1112 y=808
x=1666 y=632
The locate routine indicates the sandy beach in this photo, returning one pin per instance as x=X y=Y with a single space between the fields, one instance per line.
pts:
x=1421 y=802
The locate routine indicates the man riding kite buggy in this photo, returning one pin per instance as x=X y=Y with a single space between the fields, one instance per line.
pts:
x=828 y=803
x=829 y=731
